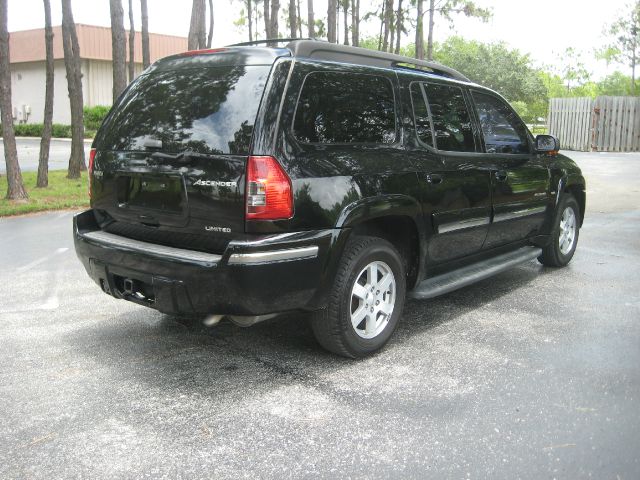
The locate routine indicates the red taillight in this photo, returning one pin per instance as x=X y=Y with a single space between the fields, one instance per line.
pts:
x=92 y=156
x=269 y=194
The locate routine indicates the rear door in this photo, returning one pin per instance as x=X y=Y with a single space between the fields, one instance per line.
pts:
x=520 y=178
x=171 y=158
x=455 y=182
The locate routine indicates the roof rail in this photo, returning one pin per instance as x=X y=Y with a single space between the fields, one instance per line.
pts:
x=270 y=40
x=361 y=56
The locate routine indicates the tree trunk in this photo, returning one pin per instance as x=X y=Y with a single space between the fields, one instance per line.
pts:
x=392 y=31
x=355 y=22
x=420 y=31
x=299 y=17
x=45 y=142
x=275 y=9
x=338 y=21
x=399 y=22
x=210 y=37
x=384 y=4
x=132 y=40
x=388 y=12
x=432 y=11
x=250 y=19
x=293 y=28
x=146 y=54
x=74 y=86
x=118 y=47
x=310 y=20
x=198 y=26
x=345 y=9
x=267 y=19
x=331 y=21
x=633 y=65
x=15 y=190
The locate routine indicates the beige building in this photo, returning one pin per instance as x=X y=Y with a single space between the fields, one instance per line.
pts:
x=28 y=69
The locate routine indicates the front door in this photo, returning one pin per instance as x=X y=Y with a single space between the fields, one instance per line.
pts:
x=519 y=178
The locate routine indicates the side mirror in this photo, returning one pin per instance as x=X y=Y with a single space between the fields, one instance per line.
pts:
x=547 y=144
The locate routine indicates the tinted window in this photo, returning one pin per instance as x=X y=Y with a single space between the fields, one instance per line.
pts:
x=421 y=115
x=345 y=108
x=502 y=129
x=451 y=120
x=208 y=110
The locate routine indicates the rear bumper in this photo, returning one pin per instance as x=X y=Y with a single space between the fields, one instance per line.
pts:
x=271 y=274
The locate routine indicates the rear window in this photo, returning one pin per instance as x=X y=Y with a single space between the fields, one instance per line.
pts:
x=451 y=119
x=207 y=110
x=345 y=108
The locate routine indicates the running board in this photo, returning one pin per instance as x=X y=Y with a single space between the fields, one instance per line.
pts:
x=448 y=282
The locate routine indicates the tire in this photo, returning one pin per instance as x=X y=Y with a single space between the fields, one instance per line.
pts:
x=358 y=321
x=565 y=233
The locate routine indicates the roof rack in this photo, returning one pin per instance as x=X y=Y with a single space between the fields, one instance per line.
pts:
x=361 y=56
x=271 y=40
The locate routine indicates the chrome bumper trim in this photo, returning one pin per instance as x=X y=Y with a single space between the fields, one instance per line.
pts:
x=109 y=239
x=501 y=217
x=274 y=256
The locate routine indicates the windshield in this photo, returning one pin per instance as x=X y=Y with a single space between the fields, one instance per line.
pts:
x=206 y=110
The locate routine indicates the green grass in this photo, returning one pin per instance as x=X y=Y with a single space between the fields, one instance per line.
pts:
x=60 y=194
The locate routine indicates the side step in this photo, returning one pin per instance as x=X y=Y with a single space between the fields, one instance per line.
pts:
x=448 y=282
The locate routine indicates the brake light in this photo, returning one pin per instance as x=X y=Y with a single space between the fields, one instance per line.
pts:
x=206 y=51
x=269 y=194
x=92 y=156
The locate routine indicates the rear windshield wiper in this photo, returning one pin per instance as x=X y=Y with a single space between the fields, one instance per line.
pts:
x=182 y=156
x=191 y=154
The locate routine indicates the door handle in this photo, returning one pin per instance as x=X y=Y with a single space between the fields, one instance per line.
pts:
x=501 y=175
x=434 y=178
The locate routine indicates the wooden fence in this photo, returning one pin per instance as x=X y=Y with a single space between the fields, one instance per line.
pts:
x=606 y=124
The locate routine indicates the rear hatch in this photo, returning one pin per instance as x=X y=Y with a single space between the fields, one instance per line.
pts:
x=170 y=158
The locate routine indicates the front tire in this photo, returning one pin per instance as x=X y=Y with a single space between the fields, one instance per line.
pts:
x=565 y=233
x=366 y=300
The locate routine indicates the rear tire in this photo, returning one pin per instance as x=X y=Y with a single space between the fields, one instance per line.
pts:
x=565 y=233
x=366 y=300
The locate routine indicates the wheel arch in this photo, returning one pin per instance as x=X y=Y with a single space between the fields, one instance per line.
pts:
x=578 y=190
x=395 y=218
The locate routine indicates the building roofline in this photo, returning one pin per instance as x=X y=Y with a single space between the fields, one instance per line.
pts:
x=95 y=26
x=95 y=44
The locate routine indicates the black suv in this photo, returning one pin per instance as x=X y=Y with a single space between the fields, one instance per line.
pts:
x=248 y=181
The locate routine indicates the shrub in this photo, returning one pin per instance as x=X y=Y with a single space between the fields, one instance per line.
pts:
x=57 y=130
x=61 y=131
x=93 y=116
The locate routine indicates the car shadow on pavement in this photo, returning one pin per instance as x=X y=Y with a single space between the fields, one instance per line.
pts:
x=170 y=352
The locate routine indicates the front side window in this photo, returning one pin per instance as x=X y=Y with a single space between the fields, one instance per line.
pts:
x=502 y=129
x=345 y=108
x=450 y=117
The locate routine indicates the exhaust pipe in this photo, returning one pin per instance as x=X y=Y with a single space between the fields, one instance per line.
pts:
x=247 y=321
x=239 y=320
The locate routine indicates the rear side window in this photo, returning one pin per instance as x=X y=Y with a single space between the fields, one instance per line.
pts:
x=502 y=129
x=421 y=115
x=207 y=110
x=450 y=117
x=345 y=108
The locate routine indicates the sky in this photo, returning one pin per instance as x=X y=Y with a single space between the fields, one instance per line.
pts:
x=543 y=28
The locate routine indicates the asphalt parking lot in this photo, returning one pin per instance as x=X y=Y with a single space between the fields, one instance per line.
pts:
x=534 y=373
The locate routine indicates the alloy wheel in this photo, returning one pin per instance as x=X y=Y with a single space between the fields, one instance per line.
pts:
x=373 y=298
x=568 y=227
